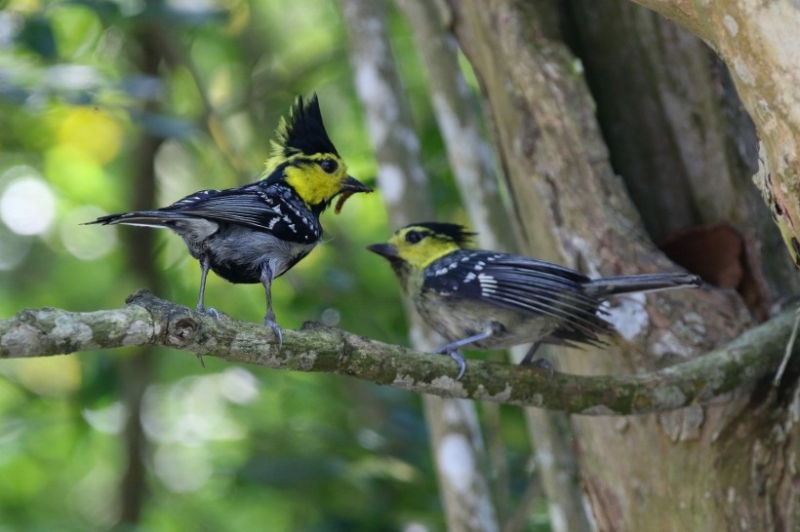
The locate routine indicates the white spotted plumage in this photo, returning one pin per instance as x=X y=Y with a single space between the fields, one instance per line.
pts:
x=492 y=300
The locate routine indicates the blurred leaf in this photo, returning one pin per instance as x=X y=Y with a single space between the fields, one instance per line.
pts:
x=164 y=126
x=37 y=35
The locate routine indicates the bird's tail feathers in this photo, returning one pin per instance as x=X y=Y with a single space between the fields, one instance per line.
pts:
x=642 y=283
x=156 y=219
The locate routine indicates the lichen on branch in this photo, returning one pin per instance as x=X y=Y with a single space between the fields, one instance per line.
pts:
x=148 y=320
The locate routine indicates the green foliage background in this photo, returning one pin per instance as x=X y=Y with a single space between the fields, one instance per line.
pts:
x=230 y=448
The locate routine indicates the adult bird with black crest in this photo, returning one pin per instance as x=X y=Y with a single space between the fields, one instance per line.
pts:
x=257 y=232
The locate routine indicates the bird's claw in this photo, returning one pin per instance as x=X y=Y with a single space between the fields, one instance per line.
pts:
x=540 y=363
x=455 y=355
x=462 y=364
x=272 y=324
x=210 y=311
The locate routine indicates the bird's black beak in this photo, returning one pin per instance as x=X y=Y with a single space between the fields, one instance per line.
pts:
x=350 y=186
x=387 y=251
x=353 y=185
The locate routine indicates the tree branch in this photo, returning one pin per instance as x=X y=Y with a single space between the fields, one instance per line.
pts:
x=148 y=320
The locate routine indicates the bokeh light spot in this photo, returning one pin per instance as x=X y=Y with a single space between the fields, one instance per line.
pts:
x=82 y=242
x=182 y=469
x=13 y=249
x=27 y=206
x=108 y=420
x=92 y=132
x=50 y=376
x=78 y=175
x=239 y=386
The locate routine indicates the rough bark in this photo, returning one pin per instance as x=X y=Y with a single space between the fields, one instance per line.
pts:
x=759 y=43
x=676 y=471
x=679 y=137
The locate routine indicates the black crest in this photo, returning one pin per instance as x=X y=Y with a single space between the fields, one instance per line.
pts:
x=455 y=232
x=304 y=132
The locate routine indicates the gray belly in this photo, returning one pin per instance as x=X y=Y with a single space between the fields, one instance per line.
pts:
x=456 y=319
x=240 y=254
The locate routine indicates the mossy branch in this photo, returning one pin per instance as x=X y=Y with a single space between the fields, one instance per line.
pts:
x=148 y=320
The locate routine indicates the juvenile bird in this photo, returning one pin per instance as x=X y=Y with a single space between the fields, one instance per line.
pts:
x=491 y=300
x=257 y=232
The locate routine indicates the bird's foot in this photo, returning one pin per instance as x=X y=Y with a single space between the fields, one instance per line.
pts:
x=272 y=324
x=210 y=311
x=455 y=355
x=539 y=363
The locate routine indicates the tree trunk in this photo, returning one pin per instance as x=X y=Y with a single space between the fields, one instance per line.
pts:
x=667 y=122
x=456 y=442
x=470 y=158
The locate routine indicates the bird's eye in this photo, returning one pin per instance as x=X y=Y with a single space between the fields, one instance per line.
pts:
x=413 y=237
x=329 y=165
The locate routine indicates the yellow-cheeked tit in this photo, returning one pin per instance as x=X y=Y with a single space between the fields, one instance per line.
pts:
x=490 y=300
x=257 y=232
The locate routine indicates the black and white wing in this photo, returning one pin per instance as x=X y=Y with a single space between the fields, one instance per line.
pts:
x=521 y=284
x=270 y=208
x=262 y=208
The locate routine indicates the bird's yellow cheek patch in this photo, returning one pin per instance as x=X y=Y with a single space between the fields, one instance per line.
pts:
x=312 y=184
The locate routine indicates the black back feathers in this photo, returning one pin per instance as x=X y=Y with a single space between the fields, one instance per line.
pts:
x=304 y=132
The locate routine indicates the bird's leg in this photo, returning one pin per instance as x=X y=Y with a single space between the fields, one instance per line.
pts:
x=269 y=318
x=205 y=265
x=452 y=348
x=539 y=362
